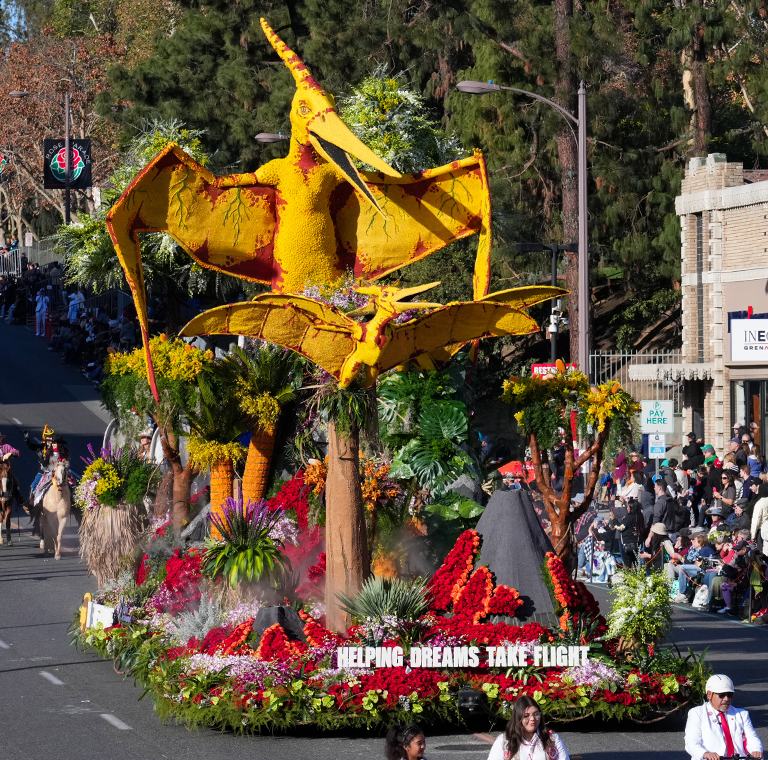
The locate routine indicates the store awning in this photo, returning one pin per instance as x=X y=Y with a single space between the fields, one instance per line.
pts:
x=676 y=372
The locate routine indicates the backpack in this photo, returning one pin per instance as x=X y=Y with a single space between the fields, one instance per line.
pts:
x=682 y=516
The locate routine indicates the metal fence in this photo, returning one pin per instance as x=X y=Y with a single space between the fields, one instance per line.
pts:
x=41 y=253
x=10 y=263
x=112 y=301
x=614 y=365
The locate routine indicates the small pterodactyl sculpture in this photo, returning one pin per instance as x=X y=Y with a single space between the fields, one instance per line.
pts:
x=307 y=218
x=346 y=348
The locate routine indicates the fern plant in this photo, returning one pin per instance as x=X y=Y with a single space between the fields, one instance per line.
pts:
x=246 y=552
x=384 y=597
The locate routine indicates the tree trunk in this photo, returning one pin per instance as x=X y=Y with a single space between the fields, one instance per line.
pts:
x=347 y=560
x=567 y=157
x=701 y=90
x=182 y=476
x=559 y=507
x=258 y=462
x=222 y=477
x=164 y=499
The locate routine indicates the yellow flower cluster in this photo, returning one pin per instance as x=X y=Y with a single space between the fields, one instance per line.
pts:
x=204 y=454
x=607 y=401
x=264 y=407
x=569 y=389
x=108 y=476
x=172 y=360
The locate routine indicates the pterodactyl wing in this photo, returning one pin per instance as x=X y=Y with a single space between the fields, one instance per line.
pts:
x=452 y=325
x=314 y=330
x=422 y=213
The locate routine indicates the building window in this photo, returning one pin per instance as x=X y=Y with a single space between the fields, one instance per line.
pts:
x=700 y=285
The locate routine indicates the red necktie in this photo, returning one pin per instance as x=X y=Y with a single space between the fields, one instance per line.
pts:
x=729 y=749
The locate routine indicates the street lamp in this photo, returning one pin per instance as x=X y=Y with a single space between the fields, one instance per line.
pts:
x=580 y=121
x=555 y=318
x=68 y=158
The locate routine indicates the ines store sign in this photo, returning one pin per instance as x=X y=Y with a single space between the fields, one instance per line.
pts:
x=749 y=340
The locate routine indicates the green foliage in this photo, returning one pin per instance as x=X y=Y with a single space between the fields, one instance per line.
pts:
x=383 y=597
x=348 y=408
x=640 y=313
x=448 y=517
x=435 y=457
x=641 y=610
x=246 y=552
x=389 y=117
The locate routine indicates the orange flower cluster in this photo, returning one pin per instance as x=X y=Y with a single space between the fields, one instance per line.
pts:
x=447 y=582
x=374 y=483
x=315 y=474
x=317 y=635
x=235 y=642
x=471 y=604
x=275 y=645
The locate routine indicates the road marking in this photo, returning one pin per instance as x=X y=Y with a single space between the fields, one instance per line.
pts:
x=52 y=678
x=16 y=420
x=116 y=722
x=3 y=645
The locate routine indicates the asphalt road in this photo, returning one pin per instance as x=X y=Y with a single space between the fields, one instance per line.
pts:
x=70 y=705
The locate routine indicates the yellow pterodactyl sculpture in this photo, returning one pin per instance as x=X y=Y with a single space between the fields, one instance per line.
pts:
x=307 y=218
x=346 y=348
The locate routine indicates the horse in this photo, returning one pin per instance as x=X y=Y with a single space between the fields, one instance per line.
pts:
x=57 y=503
x=8 y=494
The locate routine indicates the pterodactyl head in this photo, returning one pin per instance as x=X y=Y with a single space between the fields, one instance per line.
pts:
x=314 y=122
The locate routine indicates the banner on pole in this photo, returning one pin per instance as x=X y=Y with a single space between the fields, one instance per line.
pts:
x=55 y=162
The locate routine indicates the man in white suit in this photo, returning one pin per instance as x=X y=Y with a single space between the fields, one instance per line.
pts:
x=717 y=729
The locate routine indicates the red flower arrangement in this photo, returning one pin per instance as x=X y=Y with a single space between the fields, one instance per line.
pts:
x=235 y=642
x=491 y=634
x=317 y=571
x=213 y=639
x=572 y=598
x=505 y=601
x=446 y=583
x=142 y=571
x=275 y=645
x=182 y=576
x=472 y=601
x=293 y=495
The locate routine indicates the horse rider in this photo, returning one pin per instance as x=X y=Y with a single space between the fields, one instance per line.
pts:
x=49 y=451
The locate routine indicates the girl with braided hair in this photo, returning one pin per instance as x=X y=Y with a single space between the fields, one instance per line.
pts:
x=527 y=737
x=405 y=742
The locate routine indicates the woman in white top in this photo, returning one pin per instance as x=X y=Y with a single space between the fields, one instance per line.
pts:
x=41 y=309
x=632 y=489
x=527 y=737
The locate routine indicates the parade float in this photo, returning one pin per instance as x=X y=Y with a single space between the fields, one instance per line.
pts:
x=326 y=600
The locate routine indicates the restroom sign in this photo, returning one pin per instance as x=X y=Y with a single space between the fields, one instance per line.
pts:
x=657 y=417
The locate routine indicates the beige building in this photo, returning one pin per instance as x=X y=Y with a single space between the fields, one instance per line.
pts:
x=724 y=220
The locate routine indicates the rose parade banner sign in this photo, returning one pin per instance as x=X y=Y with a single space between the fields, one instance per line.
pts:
x=55 y=162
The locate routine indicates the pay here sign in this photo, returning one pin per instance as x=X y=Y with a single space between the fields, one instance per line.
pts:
x=657 y=417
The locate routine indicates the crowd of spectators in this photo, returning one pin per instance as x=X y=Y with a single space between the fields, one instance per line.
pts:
x=702 y=520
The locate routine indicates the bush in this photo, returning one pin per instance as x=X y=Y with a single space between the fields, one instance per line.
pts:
x=641 y=612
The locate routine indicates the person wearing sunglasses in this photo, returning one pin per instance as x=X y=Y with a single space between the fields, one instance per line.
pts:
x=526 y=736
x=718 y=729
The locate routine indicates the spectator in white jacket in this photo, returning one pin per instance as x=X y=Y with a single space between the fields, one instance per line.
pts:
x=760 y=515
x=718 y=729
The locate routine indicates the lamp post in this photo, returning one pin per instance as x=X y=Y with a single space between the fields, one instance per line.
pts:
x=67 y=156
x=555 y=319
x=580 y=121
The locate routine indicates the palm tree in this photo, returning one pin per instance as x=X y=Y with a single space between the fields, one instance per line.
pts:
x=262 y=384
x=215 y=424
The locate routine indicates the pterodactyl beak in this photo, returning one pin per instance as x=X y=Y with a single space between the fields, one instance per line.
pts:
x=334 y=141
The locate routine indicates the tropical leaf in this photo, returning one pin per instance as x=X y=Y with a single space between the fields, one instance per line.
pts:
x=444 y=420
x=407 y=601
